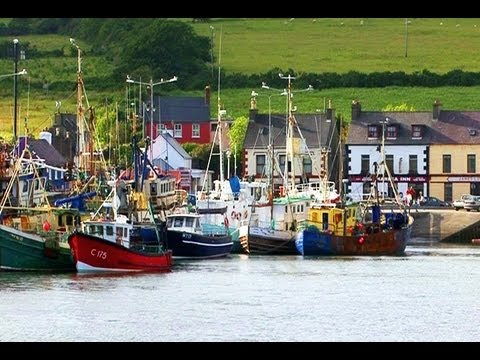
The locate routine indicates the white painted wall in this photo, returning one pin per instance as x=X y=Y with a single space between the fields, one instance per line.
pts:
x=401 y=154
x=162 y=149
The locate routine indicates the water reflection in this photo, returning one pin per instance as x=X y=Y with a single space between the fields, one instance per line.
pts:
x=427 y=295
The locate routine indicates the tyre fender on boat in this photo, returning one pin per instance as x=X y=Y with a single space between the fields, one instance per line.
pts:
x=233 y=215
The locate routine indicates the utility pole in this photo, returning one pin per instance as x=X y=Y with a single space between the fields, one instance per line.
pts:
x=406 y=37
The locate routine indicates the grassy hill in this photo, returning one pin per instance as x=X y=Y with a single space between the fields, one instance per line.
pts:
x=339 y=45
x=258 y=45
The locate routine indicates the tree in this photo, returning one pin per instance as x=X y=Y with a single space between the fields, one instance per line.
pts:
x=237 y=132
x=166 y=48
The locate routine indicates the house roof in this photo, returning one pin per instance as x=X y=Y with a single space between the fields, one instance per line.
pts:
x=358 y=129
x=43 y=150
x=182 y=109
x=314 y=128
x=457 y=127
x=175 y=145
x=452 y=127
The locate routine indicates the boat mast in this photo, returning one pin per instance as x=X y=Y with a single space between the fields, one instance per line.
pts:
x=219 y=114
x=289 y=137
x=220 y=131
x=81 y=143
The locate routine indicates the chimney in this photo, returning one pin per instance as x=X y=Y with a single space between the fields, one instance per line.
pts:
x=207 y=95
x=253 y=109
x=356 y=109
x=330 y=111
x=437 y=107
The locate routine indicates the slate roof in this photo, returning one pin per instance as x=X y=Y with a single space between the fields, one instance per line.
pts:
x=314 y=128
x=43 y=150
x=452 y=127
x=182 y=109
x=358 y=129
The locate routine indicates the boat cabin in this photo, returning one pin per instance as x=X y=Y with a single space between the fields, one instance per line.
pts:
x=336 y=220
x=119 y=231
x=184 y=223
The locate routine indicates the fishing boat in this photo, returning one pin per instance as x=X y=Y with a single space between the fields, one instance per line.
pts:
x=274 y=223
x=370 y=227
x=273 y=227
x=116 y=246
x=33 y=233
x=345 y=231
x=187 y=238
x=228 y=203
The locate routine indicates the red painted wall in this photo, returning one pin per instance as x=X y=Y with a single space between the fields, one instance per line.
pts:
x=186 y=132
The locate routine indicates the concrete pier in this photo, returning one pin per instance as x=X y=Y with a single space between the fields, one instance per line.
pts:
x=446 y=225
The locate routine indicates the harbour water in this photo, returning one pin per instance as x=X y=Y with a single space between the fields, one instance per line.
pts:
x=430 y=294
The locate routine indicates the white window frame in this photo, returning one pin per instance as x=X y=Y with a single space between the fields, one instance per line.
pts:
x=195 y=130
x=177 y=131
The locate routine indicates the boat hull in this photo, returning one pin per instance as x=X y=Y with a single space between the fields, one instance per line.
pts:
x=196 y=246
x=311 y=242
x=91 y=253
x=269 y=242
x=20 y=251
x=236 y=232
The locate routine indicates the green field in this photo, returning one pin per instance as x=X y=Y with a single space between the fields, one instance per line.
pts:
x=339 y=45
x=259 y=45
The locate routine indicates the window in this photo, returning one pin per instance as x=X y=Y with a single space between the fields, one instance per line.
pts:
x=417 y=132
x=109 y=230
x=471 y=168
x=161 y=128
x=153 y=189
x=365 y=164
x=391 y=132
x=373 y=131
x=281 y=161
x=447 y=163
x=177 y=131
x=389 y=163
x=189 y=222
x=366 y=190
x=213 y=127
x=475 y=188
x=195 y=130
x=307 y=165
x=447 y=192
x=413 y=165
x=260 y=168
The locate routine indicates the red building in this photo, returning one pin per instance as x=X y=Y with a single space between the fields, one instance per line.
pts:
x=187 y=119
